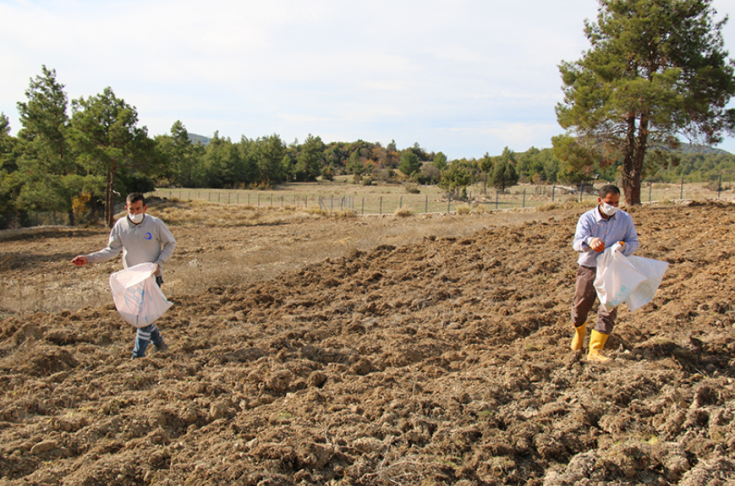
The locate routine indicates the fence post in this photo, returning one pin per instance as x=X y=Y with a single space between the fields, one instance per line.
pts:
x=363 y=206
x=581 y=191
x=218 y=196
x=258 y=200
x=449 y=201
x=381 y=205
x=650 y=190
x=400 y=203
x=426 y=208
x=331 y=204
x=496 y=199
x=306 y=202
x=681 y=195
x=719 y=186
x=553 y=189
x=524 y=197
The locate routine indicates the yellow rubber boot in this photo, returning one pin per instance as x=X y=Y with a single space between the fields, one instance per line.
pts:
x=579 y=334
x=597 y=342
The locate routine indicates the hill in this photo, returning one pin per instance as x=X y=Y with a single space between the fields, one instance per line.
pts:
x=199 y=139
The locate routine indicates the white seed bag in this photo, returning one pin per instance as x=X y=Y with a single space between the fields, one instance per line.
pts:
x=633 y=280
x=137 y=297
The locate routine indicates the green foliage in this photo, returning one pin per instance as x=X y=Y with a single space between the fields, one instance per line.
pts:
x=700 y=167
x=538 y=166
x=454 y=179
x=657 y=71
x=106 y=136
x=182 y=158
x=486 y=164
x=410 y=163
x=270 y=152
x=48 y=173
x=310 y=159
x=9 y=182
x=440 y=161
x=504 y=174
x=429 y=174
x=355 y=164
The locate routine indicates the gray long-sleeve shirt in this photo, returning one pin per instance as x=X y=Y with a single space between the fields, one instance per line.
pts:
x=147 y=242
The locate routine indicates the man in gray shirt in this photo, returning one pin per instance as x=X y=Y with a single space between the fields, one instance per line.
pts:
x=142 y=238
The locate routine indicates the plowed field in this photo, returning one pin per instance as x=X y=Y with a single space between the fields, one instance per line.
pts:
x=442 y=360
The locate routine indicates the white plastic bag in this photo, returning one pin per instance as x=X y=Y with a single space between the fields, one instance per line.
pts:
x=137 y=297
x=633 y=280
x=645 y=291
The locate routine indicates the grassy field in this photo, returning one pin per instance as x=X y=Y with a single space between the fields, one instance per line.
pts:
x=342 y=193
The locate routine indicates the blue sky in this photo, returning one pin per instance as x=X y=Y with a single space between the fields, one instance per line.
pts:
x=463 y=77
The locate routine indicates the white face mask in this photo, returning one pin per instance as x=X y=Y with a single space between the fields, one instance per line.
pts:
x=136 y=218
x=608 y=209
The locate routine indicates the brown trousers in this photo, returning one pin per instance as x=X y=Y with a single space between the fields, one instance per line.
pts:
x=584 y=299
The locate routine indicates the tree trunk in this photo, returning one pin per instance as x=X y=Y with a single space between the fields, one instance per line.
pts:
x=110 y=196
x=629 y=162
x=640 y=155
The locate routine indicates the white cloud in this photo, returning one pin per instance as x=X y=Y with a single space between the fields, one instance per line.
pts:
x=376 y=70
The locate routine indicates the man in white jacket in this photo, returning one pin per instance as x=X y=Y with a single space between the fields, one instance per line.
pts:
x=142 y=238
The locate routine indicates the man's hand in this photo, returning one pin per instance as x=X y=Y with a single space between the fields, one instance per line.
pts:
x=622 y=244
x=79 y=260
x=598 y=245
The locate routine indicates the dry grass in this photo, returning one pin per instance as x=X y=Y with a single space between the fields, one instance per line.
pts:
x=464 y=209
x=218 y=245
x=218 y=215
x=566 y=205
x=403 y=212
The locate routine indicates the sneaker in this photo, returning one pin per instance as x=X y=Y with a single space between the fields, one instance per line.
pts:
x=162 y=348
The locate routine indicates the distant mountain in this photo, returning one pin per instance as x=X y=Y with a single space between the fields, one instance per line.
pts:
x=199 y=139
x=687 y=148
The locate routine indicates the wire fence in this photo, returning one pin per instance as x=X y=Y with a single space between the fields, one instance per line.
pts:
x=527 y=196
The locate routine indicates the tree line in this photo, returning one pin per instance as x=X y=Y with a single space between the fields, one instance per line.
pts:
x=70 y=156
x=84 y=154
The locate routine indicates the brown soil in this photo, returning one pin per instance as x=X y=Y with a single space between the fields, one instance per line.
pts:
x=443 y=361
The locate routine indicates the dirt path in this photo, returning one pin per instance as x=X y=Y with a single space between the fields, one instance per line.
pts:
x=440 y=361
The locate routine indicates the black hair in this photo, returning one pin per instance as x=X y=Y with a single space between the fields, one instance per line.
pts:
x=134 y=197
x=608 y=189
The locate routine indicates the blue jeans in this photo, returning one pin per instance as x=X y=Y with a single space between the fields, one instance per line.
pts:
x=143 y=337
x=147 y=334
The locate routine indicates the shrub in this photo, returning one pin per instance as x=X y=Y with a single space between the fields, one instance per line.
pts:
x=345 y=214
x=403 y=212
x=412 y=188
x=464 y=209
x=367 y=181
